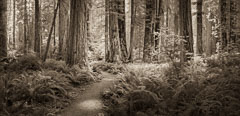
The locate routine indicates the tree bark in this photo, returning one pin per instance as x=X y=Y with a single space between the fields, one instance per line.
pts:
x=3 y=28
x=25 y=49
x=185 y=28
x=63 y=20
x=197 y=26
x=149 y=35
x=225 y=23
x=107 y=49
x=122 y=30
x=14 y=24
x=37 y=45
x=133 y=15
x=77 y=46
x=159 y=13
x=112 y=42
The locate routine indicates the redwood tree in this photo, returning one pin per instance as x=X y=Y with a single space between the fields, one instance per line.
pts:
x=149 y=28
x=37 y=45
x=112 y=33
x=197 y=26
x=185 y=27
x=122 y=30
x=3 y=28
x=77 y=45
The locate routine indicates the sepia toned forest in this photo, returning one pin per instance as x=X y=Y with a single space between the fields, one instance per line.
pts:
x=119 y=57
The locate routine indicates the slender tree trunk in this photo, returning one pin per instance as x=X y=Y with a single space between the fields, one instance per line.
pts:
x=14 y=24
x=197 y=26
x=225 y=23
x=107 y=52
x=158 y=21
x=50 y=34
x=9 y=18
x=54 y=30
x=3 y=28
x=25 y=28
x=234 y=30
x=37 y=47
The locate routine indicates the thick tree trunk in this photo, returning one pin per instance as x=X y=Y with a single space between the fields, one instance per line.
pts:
x=77 y=46
x=149 y=27
x=3 y=28
x=185 y=28
x=112 y=42
x=63 y=16
x=37 y=45
x=133 y=15
x=122 y=30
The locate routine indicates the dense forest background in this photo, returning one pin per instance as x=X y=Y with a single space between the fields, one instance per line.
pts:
x=174 y=57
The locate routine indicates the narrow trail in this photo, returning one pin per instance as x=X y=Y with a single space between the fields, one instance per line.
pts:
x=89 y=102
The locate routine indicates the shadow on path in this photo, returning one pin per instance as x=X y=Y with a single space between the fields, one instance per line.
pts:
x=89 y=102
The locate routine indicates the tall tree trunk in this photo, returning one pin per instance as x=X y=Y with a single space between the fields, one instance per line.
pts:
x=9 y=18
x=63 y=16
x=133 y=15
x=225 y=23
x=122 y=30
x=77 y=46
x=25 y=49
x=112 y=49
x=3 y=28
x=54 y=31
x=234 y=30
x=149 y=36
x=197 y=26
x=37 y=45
x=185 y=28
x=107 y=49
x=14 y=24
x=50 y=33
x=159 y=13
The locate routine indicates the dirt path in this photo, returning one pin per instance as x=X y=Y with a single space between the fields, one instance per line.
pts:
x=89 y=102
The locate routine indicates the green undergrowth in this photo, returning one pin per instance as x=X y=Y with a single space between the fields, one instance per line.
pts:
x=208 y=87
x=31 y=88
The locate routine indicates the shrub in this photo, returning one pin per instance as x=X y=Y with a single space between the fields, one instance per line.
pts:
x=81 y=77
x=23 y=94
x=198 y=90
x=59 y=66
x=28 y=62
x=108 y=67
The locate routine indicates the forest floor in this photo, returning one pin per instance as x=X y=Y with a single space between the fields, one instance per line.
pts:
x=89 y=103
